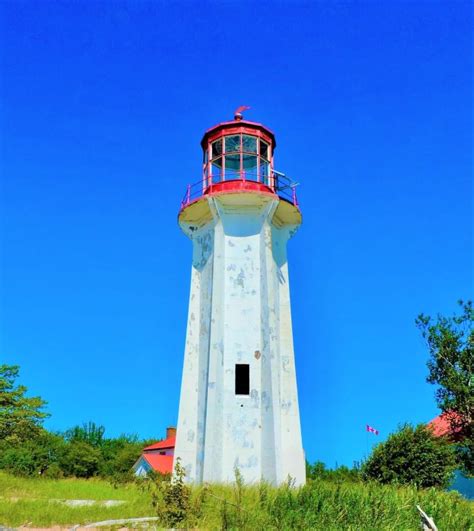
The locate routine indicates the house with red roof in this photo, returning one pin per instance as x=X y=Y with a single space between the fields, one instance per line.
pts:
x=448 y=425
x=157 y=457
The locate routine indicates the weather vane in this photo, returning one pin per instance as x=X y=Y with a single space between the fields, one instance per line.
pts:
x=238 y=112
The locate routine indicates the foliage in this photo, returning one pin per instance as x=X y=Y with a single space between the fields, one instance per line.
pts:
x=80 y=459
x=20 y=416
x=119 y=455
x=451 y=366
x=318 y=471
x=170 y=497
x=26 y=448
x=37 y=456
x=89 y=433
x=412 y=455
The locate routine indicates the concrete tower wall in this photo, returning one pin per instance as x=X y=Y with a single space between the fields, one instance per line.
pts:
x=239 y=313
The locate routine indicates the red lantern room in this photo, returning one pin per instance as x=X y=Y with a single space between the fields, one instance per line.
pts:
x=238 y=157
x=238 y=151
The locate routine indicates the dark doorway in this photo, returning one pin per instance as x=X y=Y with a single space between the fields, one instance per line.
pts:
x=242 y=379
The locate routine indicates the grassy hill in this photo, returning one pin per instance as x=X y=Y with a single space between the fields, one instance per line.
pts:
x=321 y=505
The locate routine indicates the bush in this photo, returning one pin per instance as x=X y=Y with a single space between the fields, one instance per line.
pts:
x=80 y=459
x=171 y=497
x=119 y=455
x=34 y=457
x=413 y=455
x=18 y=461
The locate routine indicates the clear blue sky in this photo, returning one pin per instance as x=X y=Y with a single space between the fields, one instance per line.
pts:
x=104 y=105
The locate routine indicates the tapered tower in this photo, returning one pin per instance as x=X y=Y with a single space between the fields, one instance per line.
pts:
x=239 y=401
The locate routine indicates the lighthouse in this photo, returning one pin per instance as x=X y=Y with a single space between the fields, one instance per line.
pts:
x=239 y=402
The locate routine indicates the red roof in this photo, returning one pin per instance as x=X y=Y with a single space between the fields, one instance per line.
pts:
x=441 y=425
x=162 y=445
x=239 y=124
x=160 y=463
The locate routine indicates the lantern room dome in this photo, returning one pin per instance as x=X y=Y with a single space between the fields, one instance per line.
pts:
x=252 y=128
x=238 y=158
x=238 y=150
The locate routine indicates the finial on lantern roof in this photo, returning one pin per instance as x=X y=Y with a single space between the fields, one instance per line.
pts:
x=238 y=112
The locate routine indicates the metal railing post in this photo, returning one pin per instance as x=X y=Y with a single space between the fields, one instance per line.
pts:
x=188 y=195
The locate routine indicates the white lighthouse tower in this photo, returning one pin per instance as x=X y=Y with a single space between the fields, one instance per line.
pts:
x=239 y=400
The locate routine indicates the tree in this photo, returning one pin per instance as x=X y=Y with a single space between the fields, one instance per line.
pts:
x=89 y=432
x=39 y=456
x=80 y=459
x=119 y=455
x=21 y=417
x=450 y=342
x=412 y=455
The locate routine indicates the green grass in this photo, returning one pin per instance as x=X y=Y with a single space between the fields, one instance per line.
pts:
x=36 y=501
x=329 y=506
x=321 y=505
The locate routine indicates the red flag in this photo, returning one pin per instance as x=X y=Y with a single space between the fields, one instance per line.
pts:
x=371 y=430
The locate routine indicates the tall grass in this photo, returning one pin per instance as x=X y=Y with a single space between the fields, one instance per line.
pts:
x=39 y=501
x=320 y=505
x=326 y=506
x=70 y=488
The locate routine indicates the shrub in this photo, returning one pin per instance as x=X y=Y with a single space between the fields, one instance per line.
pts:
x=171 y=497
x=80 y=459
x=413 y=455
x=33 y=457
x=119 y=455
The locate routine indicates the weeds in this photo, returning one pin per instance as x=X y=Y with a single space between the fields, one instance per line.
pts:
x=320 y=505
x=171 y=498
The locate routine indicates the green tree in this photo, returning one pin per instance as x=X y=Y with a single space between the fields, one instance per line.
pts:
x=38 y=456
x=317 y=470
x=450 y=342
x=119 y=455
x=90 y=433
x=21 y=416
x=80 y=459
x=412 y=455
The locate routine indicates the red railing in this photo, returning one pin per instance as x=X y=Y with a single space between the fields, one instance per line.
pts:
x=278 y=183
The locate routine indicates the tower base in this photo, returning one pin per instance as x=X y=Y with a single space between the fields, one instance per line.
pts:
x=239 y=315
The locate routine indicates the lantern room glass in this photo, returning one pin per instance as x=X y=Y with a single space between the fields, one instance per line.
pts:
x=238 y=157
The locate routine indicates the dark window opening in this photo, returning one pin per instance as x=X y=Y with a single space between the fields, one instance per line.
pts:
x=242 y=379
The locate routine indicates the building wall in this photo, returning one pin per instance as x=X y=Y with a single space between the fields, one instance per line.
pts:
x=167 y=451
x=463 y=485
x=141 y=467
x=239 y=312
